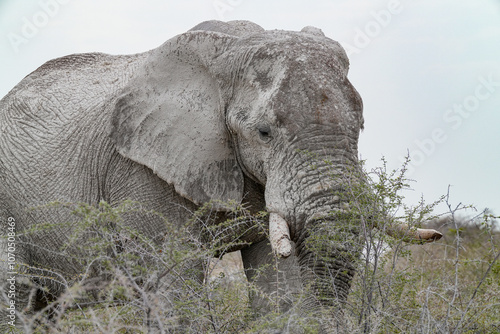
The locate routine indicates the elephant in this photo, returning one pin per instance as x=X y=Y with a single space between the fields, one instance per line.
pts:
x=226 y=111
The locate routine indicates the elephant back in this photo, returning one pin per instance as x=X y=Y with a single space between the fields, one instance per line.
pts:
x=238 y=28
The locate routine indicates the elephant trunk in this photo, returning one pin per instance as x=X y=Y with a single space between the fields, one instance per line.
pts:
x=327 y=250
x=325 y=233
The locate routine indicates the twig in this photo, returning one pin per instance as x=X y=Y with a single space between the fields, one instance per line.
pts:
x=475 y=292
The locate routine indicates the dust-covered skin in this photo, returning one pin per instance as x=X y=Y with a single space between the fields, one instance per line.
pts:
x=225 y=111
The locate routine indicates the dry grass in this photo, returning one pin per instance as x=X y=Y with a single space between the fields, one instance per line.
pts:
x=452 y=286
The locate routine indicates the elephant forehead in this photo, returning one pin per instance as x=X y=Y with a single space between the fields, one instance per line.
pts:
x=306 y=84
x=264 y=54
x=315 y=94
x=297 y=79
x=266 y=75
x=291 y=45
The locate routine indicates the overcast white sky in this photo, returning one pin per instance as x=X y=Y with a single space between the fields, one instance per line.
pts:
x=428 y=71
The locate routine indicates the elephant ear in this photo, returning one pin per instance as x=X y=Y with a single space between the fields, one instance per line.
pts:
x=170 y=118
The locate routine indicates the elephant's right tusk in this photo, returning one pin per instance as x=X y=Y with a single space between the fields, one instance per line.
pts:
x=279 y=235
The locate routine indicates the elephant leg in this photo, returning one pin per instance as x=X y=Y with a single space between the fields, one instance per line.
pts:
x=275 y=282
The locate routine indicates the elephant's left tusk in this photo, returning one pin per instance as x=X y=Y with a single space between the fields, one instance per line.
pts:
x=413 y=234
x=279 y=235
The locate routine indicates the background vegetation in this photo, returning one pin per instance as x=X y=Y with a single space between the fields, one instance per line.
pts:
x=171 y=285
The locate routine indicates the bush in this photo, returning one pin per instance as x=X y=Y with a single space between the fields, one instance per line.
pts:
x=135 y=284
x=131 y=283
x=449 y=286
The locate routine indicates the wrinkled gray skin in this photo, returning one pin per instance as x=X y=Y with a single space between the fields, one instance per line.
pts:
x=220 y=112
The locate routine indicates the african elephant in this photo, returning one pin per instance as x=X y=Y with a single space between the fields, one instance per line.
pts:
x=225 y=111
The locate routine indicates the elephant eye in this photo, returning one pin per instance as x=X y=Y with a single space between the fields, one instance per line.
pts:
x=264 y=133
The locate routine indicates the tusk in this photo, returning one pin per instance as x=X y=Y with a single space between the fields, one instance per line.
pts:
x=279 y=234
x=429 y=234
x=411 y=234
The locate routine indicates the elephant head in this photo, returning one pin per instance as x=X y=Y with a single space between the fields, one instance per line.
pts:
x=229 y=102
